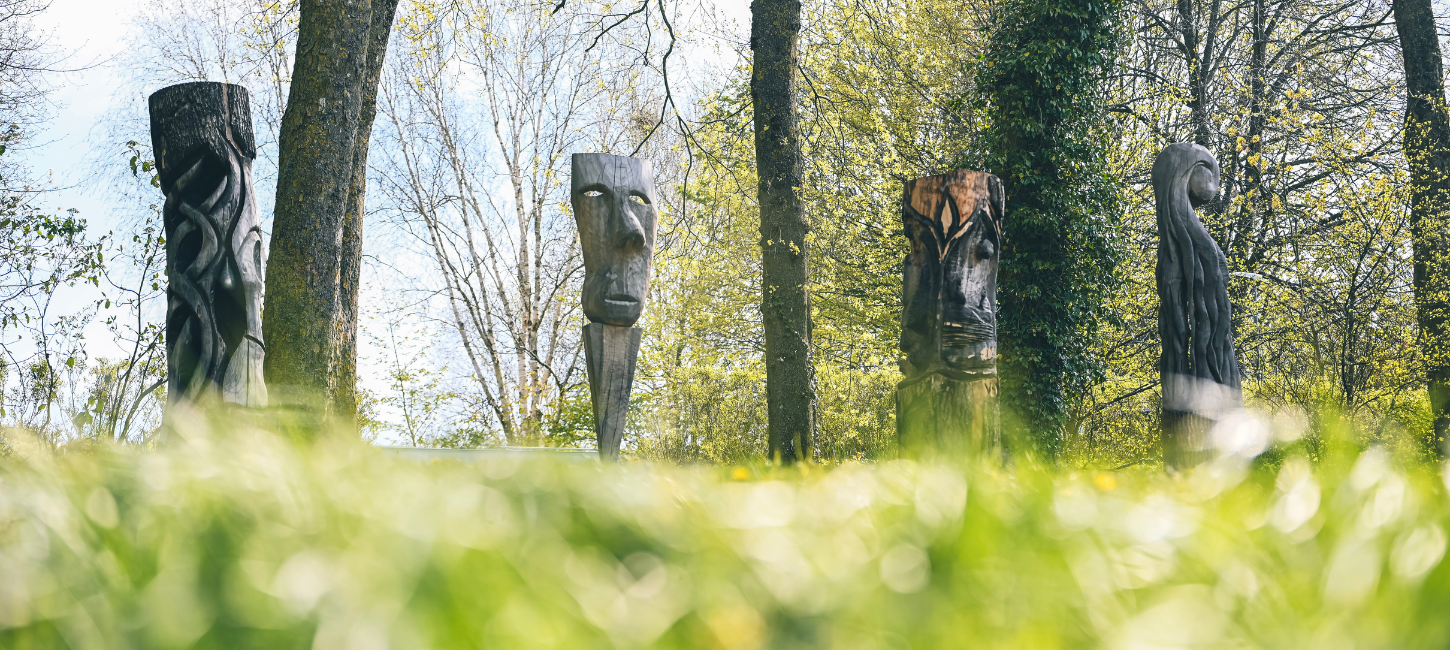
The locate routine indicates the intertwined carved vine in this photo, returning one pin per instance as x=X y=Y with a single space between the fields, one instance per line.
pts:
x=202 y=138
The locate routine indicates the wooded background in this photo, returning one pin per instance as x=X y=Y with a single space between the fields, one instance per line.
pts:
x=469 y=284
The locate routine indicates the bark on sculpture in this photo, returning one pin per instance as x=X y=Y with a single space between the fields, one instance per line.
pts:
x=201 y=134
x=614 y=206
x=1198 y=369
x=948 y=402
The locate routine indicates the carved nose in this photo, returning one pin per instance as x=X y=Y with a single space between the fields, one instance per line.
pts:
x=631 y=233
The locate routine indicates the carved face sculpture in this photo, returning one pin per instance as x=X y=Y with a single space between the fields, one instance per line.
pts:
x=949 y=318
x=614 y=205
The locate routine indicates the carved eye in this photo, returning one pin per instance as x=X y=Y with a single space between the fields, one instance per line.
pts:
x=985 y=250
x=593 y=193
x=638 y=200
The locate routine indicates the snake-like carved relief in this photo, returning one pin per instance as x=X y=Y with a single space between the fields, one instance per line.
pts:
x=201 y=135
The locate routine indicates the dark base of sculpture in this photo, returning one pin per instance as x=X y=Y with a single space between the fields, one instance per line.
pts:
x=610 y=353
x=1185 y=439
x=941 y=417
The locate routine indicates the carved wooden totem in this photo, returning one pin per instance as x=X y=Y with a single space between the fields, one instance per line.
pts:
x=614 y=206
x=201 y=134
x=1199 y=372
x=947 y=405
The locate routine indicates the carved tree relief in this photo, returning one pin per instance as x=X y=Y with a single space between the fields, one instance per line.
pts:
x=948 y=401
x=614 y=206
x=1199 y=372
x=201 y=134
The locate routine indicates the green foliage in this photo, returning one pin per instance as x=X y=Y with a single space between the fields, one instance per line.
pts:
x=857 y=414
x=39 y=254
x=570 y=423
x=704 y=414
x=1042 y=88
x=247 y=541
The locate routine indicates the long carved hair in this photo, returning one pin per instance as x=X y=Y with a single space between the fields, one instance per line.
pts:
x=1194 y=314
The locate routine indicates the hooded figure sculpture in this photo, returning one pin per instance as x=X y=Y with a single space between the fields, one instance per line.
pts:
x=1198 y=369
x=614 y=206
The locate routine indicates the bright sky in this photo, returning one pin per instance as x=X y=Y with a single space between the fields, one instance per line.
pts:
x=93 y=31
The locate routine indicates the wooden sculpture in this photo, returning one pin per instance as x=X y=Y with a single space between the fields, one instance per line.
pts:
x=1198 y=369
x=948 y=402
x=201 y=135
x=614 y=205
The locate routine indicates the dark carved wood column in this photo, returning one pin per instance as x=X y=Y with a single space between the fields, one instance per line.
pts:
x=1198 y=369
x=947 y=405
x=614 y=206
x=201 y=134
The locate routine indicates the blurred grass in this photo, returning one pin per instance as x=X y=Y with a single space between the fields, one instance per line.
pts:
x=249 y=541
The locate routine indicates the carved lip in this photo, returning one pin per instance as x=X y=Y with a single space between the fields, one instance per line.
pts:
x=622 y=300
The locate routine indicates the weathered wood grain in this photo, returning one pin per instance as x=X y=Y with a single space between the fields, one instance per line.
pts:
x=614 y=206
x=939 y=416
x=610 y=352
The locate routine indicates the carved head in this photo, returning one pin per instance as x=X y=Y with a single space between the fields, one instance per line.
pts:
x=1184 y=173
x=949 y=301
x=614 y=205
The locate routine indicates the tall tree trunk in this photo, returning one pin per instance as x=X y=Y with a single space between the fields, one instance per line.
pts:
x=1427 y=148
x=319 y=145
x=345 y=390
x=785 y=301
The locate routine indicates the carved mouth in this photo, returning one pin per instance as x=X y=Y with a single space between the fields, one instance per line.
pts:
x=621 y=300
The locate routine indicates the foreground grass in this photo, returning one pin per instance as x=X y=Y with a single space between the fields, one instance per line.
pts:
x=257 y=543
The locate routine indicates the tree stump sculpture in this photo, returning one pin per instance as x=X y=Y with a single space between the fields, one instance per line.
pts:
x=947 y=405
x=1198 y=369
x=614 y=206
x=201 y=135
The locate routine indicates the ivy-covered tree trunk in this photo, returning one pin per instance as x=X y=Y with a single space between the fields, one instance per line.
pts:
x=310 y=319
x=1042 y=87
x=1427 y=148
x=785 y=301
